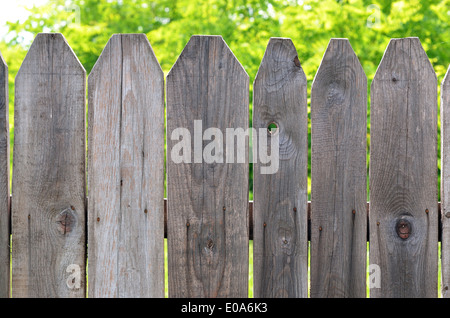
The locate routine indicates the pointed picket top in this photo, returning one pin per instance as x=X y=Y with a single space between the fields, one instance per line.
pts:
x=4 y=94
x=2 y=61
x=201 y=49
x=338 y=174
x=116 y=39
x=126 y=156
x=280 y=64
x=445 y=183
x=45 y=48
x=48 y=186
x=207 y=88
x=403 y=173
x=446 y=80
x=404 y=59
x=4 y=181
x=280 y=187
x=339 y=56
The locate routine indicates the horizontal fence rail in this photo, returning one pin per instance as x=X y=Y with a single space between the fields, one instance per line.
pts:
x=106 y=211
x=250 y=219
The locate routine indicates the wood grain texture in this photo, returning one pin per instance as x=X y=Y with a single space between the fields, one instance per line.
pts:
x=48 y=186
x=338 y=175
x=403 y=172
x=207 y=202
x=280 y=244
x=4 y=182
x=126 y=171
x=445 y=185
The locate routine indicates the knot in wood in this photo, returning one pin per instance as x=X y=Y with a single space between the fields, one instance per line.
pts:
x=403 y=228
x=335 y=95
x=66 y=221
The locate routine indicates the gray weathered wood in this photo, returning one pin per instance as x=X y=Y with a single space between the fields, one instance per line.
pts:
x=403 y=172
x=126 y=171
x=4 y=182
x=338 y=174
x=48 y=186
x=445 y=185
x=280 y=244
x=207 y=202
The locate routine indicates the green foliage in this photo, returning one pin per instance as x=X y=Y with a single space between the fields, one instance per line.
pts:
x=246 y=26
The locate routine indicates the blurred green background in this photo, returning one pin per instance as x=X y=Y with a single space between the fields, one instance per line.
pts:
x=246 y=26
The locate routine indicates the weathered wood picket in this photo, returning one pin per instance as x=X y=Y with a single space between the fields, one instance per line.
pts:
x=107 y=214
x=403 y=172
x=338 y=175
x=48 y=187
x=4 y=182
x=280 y=199
x=126 y=171
x=207 y=221
x=445 y=184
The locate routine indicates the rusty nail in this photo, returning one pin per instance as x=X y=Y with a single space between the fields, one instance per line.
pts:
x=378 y=223
x=353 y=211
x=72 y=207
x=224 y=208
x=98 y=219
x=320 y=228
x=264 y=224
x=295 y=209
x=188 y=224
x=29 y=216
x=426 y=211
x=145 y=211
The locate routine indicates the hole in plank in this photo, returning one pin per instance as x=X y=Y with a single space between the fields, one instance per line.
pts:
x=272 y=128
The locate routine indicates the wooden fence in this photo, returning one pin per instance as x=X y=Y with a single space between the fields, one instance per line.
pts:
x=100 y=220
